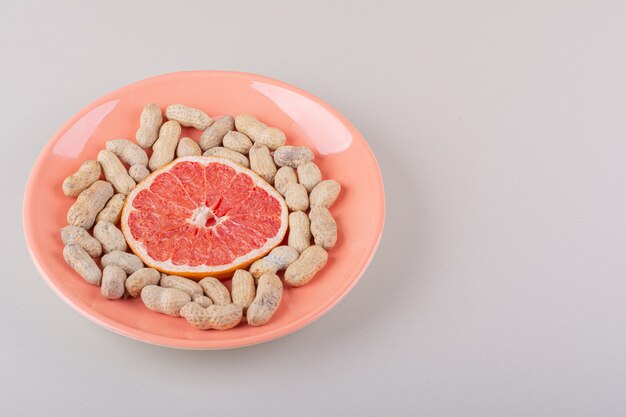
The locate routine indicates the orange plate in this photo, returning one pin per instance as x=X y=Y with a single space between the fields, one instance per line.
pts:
x=340 y=151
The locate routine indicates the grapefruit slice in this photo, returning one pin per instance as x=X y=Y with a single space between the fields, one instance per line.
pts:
x=201 y=216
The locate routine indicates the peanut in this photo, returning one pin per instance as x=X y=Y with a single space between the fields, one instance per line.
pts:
x=296 y=197
x=215 y=133
x=128 y=152
x=236 y=157
x=164 y=149
x=325 y=194
x=237 y=142
x=262 y=163
x=203 y=301
x=278 y=259
x=259 y=132
x=299 y=231
x=113 y=279
x=285 y=176
x=109 y=236
x=82 y=263
x=268 y=296
x=292 y=156
x=218 y=317
x=215 y=290
x=81 y=237
x=308 y=264
x=141 y=278
x=164 y=300
x=112 y=211
x=309 y=175
x=149 y=125
x=190 y=287
x=242 y=289
x=323 y=227
x=188 y=116
x=187 y=147
x=88 y=173
x=138 y=173
x=127 y=261
x=115 y=173
x=88 y=204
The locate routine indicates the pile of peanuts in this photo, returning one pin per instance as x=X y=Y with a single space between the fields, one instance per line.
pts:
x=207 y=304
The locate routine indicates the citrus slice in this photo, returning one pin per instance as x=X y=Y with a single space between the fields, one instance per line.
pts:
x=200 y=216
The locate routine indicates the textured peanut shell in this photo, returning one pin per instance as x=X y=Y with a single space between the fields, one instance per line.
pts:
x=233 y=156
x=269 y=294
x=292 y=156
x=236 y=141
x=128 y=151
x=164 y=149
x=112 y=211
x=242 y=288
x=187 y=147
x=324 y=194
x=127 y=261
x=115 y=173
x=81 y=237
x=138 y=173
x=88 y=173
x=259 y=131
x=323 y=227
x=217 y=317
x=190 y=287
x=109 y=236
x=88 y=204
x=299 y=231
x=285 y=176
x=296 y=197
x=164 y=300
x=262 y=163
x=141 y=278
x=308 y=264
x=188 y=116
x=203 y=301
x=113 y=279
x=82 y=263
x=214 y=135
x=309 y=175
x=215 y=290
x=278 y=259
x=149 y=125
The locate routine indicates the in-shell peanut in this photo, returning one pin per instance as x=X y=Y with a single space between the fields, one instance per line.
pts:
x=269 y=293
x=188 y=116
x=109 y=236
x=278 y=259
x=296 y=197
x=187 y=147
x=138 y=173
x=215 y=133
x=127 y=261
x=141 y=278
x=292 y=156
x=88 y=173
x=215 y=290
x=324 y=194
x=285 y=176
x=233 y=156
x=88 y=204
x=113 y=279
x=190 y=287
x=323 y=227
x=112 y=211
x=309 y=175
x=299 y=231
x=115 y=173
x=217 y=317
x=308 y=264
x=82 y=263
x=81 y=237
x=164 y=149
x=128 y=151
x=203 y=301
x=242 y=289
x=149 y=125
x=260 y=132
x=262 y=163
x=237 y=142
x=164 y=300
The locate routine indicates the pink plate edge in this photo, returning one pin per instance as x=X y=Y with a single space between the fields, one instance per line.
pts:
x=176 y=343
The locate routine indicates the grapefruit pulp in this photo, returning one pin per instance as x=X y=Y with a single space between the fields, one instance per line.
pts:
x=203 y=216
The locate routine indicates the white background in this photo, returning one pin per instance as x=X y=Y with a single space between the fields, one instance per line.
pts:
x=499 y=287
